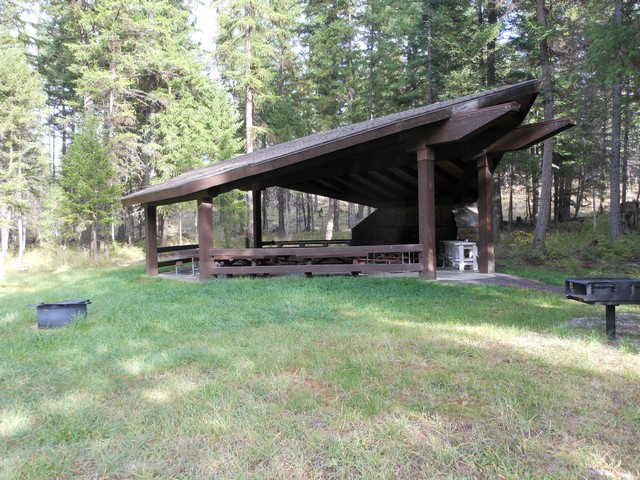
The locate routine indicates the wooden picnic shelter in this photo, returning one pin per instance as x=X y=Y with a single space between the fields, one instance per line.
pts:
x=408 y=166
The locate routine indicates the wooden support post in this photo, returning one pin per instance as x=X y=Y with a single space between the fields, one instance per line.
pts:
x=427 y=212
x=151 y=238
x=205 y=236
x=486 y=261
x=257 y=218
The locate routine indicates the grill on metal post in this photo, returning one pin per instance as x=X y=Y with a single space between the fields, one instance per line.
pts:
x=609 y=292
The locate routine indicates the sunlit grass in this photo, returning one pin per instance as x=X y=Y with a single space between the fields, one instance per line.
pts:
x=310 y=378
x=571 y=250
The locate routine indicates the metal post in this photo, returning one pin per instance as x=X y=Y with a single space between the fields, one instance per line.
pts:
x=611 y=322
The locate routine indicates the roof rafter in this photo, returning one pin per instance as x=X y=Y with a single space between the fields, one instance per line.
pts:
x=525 y=136
x=462 y=126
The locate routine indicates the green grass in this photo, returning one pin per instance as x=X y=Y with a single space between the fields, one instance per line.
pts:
x=571 y=250
x=310 y=378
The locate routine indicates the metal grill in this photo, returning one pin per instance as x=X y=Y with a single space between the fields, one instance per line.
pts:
x=610 y=292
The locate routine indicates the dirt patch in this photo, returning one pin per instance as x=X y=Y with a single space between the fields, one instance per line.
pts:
x=626 y=323
x=501 y=279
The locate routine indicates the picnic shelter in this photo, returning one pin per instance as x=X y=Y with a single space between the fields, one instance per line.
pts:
x=414 y=167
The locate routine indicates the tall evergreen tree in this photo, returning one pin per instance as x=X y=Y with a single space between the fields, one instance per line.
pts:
x=91 y=192
x=56 y=30
x=125 y=63
x=251 y=48
x=542 y=221
x=21 y=172
x=330 y=40
x=614 y=52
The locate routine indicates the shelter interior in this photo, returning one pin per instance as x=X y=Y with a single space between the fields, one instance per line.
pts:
x=415 y=167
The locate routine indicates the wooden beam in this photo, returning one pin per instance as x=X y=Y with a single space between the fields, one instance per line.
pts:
x=486 y=254
x=151 y=239
x=525 y=136
x=205 y=236
x=462 y=126
x=470 y=148
x=427 y=212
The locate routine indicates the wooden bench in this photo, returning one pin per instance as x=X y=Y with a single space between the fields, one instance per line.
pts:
x=178 y=256
x=309 y=260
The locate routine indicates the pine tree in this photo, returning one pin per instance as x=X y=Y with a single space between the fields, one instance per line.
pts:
x=21 y=169
x=56 y=30
x=88 y=179
x=615 y=54
x=330 y=38
x=124 y=64
x=197 y=127
x=544 y=210
x=250 y=43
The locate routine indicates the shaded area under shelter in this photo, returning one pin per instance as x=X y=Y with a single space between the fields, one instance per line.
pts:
x=413 y=167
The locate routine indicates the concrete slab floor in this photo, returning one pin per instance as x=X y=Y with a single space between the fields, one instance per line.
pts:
x=445 y=275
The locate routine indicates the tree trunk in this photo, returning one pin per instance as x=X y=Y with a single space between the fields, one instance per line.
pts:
x=264 y=205
x=580 y=193
x=308 y=226
x=330 y=213
x=555 y=198
x=510 y=215
x=565 y=196
x=430 y=95
x=94 y=240
x=163 y=227
x=615 y=147
x=282 y=224
x=372 y=35
x=535 y=196
x=497 y=208
x=5 y=222
x=248 y=118
x=542 y=220
x=594 y=211
x=22 y=239
x=528 y=213
x=492 y=19
x=351 y=209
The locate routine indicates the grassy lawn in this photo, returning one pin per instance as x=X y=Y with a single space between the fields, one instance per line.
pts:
x=571 y=250
x=310 y=378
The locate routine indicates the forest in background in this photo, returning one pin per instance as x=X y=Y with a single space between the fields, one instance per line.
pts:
x=100 y=98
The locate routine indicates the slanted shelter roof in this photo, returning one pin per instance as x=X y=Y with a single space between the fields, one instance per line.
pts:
x=373 y=162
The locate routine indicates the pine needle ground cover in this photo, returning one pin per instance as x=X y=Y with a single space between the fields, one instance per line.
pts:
x=310 y=378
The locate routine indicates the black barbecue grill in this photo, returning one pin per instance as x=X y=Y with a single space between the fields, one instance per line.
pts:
x=610 y=292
